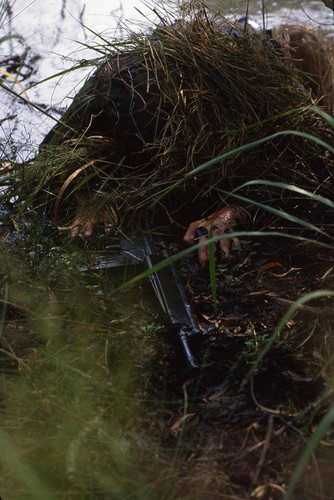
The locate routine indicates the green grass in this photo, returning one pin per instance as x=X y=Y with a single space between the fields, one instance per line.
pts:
x=92 y=405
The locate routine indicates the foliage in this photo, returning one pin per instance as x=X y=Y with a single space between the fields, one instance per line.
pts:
x=205 y=94
x=93 y=403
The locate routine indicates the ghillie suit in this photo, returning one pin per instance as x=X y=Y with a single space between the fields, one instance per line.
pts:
x=310 y=52
x=162 y=104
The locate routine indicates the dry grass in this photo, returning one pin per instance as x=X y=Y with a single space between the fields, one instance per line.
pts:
x=197 y=93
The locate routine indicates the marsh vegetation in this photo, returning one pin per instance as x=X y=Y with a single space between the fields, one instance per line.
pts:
x=95 y=402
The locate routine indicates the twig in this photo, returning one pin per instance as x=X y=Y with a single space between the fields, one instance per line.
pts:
x=264 y=449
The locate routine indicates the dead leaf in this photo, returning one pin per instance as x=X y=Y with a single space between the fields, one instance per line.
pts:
x=176 y=428
x=270 y=265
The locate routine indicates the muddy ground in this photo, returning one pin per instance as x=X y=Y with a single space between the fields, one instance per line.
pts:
x=235 y=429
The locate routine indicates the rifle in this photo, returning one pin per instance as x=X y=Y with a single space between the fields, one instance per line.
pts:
x=166 y=283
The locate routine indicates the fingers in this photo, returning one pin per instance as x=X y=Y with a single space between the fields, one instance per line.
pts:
x=86 y=219
x=236 y=242
x=81 y=225
x=73 y=230
x=89 y=228
x=225 y=248
x=225 y=245
x=189 y=237
x=219 y=223
x=203 y=253
x=75 y=227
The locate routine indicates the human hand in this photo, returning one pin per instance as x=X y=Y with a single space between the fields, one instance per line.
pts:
x=87 y=217
x=220 y=223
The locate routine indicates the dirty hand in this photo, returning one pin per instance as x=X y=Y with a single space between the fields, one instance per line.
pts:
x=87 y=217
x=221 y=222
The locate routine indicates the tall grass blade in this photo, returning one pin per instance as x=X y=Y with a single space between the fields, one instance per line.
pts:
x=27 y=478
x=289 y=187
x=280 y=213
x=240 y=150
x=313 y=443
x=292 y=309
x=176 y=257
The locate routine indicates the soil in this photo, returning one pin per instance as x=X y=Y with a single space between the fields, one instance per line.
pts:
x=247 y=426
x=237 y=428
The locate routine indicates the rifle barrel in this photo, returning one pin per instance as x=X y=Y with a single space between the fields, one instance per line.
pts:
x=166 y=283
x=173 y=300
